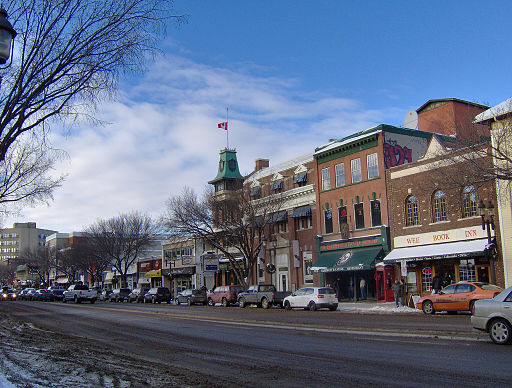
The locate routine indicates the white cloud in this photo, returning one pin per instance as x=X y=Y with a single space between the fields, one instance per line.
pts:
x=163 y=136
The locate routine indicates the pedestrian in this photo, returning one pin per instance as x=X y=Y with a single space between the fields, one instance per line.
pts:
x=337 y=288
x=351 y=289
x=436 y=284
x=397 y=287
x=362 y=287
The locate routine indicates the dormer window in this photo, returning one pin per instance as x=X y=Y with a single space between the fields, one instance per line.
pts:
x=277 y=185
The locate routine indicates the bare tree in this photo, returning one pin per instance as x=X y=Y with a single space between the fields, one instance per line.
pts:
x=7 y=271
x=25 y=176
x=120 y=239
x=234 y=225
x=37 y=261
x=90 y=260
x=68 y=56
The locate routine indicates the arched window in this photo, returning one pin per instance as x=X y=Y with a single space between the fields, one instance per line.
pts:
x=439 y=206
x=411 y=210
x=469 y=201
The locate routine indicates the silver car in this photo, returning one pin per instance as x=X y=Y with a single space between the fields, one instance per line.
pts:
x=495 y=317
x=312 y=298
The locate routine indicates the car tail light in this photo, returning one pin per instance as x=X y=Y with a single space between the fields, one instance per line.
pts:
x=320 y=296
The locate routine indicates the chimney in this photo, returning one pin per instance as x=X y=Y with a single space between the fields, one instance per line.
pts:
x=261 y=164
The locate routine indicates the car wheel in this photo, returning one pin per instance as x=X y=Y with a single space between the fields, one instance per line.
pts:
x=312 y=306
x=428 y=307
x=177 y=302
x=333 y=308
x=93 y=300
x=500 y=332
x=76 y=299
x=264 y=303
x=63 y=300
x=189 y=302
x=225 y=302
x=287 y=305
x=241 y=302
x=210 y=302
x=153 y=300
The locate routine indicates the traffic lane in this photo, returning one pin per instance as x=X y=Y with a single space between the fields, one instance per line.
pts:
x=253 y=352
x=443 y=323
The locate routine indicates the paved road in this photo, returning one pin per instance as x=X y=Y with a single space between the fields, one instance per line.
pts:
x=255 y=347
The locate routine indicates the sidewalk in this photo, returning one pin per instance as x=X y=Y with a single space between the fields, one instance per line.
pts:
x=371 y=306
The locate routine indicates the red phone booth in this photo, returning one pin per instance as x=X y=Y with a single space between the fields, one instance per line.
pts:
x=384 y=278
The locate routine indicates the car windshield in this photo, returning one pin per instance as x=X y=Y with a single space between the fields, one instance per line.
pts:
x=487 y=286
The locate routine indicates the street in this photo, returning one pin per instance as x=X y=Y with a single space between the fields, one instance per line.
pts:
x=215 y=346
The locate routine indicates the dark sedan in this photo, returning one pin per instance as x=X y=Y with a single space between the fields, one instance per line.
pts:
x=43 y=295
x=191 y=297
x=137 y=295
x=158 y=295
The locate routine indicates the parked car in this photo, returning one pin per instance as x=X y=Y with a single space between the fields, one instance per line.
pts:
x=226 y=295
x=191 y=297
x=264 y=295
x=457 y=297
x=27 y=293
x=312 y=298
x=57 y=294
x=43 y=295
x=119 y=295
x=495 y=317
x=137 y=295
x=105 y=294
x=8 y=294
x=158 y=295
x=78 y=293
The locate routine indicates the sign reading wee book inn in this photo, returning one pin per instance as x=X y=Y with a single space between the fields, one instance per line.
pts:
x=440 y=237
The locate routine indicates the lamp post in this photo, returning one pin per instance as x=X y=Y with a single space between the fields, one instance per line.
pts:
x=7 y=35
x=487 y=215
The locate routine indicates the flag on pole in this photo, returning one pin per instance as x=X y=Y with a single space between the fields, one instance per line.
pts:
x=223 y=125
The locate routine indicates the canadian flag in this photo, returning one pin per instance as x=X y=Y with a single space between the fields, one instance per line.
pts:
x=223 y=125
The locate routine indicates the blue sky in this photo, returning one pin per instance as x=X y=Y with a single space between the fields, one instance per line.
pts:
x=293 y=74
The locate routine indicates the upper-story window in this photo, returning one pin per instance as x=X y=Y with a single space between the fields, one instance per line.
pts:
x=301 y=179
x=326 y=178
x=373 y=165
x=411 y=210
x=359 y=215
x=439 y=206
x=340 y=174
x=375 y=210
x=355 y=168
x=328 y=221
x=469 y=201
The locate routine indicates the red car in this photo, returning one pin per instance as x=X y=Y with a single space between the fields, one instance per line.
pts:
x=224 y=294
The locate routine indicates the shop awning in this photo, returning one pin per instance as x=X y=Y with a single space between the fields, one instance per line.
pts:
x=279 y=216
x=183 y=271
x=255 y=192
x=304 y=211
x=155 y=273
x=300 y=178
x=61 y=280
x=359 y=259
x=277 y=185
x=459 y=249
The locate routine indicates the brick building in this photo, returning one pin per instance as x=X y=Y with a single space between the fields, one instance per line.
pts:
x=435 y=225
x=288 y=252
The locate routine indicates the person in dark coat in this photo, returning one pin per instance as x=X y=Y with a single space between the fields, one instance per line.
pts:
x=397 y=292
x=436 y=284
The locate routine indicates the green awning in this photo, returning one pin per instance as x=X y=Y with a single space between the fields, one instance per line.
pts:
x=358 y=259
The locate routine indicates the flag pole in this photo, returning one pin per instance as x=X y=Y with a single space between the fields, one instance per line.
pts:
x=227 y=129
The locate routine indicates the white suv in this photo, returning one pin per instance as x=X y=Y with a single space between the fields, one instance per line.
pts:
x=312 y=298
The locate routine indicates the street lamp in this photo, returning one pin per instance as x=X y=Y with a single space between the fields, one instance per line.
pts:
x=487 y=214
x=7 y=35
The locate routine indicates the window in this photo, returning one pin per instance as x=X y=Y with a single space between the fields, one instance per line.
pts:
x=326 y=178
x=282 y=227
x=375 y=210
x=359 y=215
x=355 y=168
x=439 y=210
x=412 y=211
x=426 y=280
x=303 y=223
x=340 y=174
x=469 y=201
x=373 y=166
x=467 y=270
x=342 y=215
x=328 y=221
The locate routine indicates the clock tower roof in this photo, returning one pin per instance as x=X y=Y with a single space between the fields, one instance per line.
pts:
x=228 y=167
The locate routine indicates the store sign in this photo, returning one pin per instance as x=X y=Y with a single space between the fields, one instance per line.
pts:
x=426 y=271
x=186 y=260
x=331 y=245
x=462 y=234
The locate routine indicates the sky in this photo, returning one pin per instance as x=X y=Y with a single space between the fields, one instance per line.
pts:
x=293 y=74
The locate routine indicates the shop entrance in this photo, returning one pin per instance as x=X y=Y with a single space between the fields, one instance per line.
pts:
x=347 y=284
x=447 y=274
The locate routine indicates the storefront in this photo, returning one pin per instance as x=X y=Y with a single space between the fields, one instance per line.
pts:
x=182 y=278
x=454 y=255
x=349 y=265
